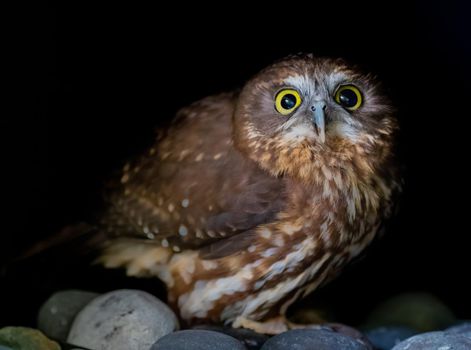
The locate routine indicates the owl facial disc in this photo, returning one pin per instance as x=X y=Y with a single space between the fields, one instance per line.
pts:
x=318 y=118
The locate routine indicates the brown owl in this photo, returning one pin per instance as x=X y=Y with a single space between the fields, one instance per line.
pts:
x=253 y=199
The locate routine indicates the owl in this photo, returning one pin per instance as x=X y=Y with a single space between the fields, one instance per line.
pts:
x=253 y=199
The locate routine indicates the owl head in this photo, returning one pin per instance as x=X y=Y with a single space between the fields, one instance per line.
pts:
x=305 y=110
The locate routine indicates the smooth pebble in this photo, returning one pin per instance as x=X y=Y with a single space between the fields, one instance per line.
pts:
x=26 y=339
x=421 y=311
x=435 y=341
x=197 y=339
x=309 y=339
x=251 y=339
x=122 y=320
x=58 y=312
x=463 y=328
x=350 y=332
x=385 y=338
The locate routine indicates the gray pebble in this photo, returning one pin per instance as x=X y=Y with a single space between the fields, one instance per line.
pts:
x=122 y=320
x=251 y=339
x=461 y=328
x=349 y=332
x=310 y=339
x=421 y=311
x=196 y=339
x=5 y=348
x=58 y=312
x=65 y=346
x=435 y=341
x=385 y=338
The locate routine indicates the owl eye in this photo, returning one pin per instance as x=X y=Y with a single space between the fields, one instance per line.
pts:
x=286 y=101
x=349 y=97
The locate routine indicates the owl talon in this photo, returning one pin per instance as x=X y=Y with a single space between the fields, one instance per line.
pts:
x=292 y=325
x=271 y=326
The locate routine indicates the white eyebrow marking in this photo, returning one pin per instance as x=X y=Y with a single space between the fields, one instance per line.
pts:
x=302 y=83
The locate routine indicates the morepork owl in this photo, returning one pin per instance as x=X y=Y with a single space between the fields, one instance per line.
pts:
x=253 y=199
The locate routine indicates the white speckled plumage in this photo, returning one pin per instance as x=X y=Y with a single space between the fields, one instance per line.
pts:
x=241 y=210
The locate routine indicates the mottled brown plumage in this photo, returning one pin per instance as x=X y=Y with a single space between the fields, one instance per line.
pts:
x=241 y=209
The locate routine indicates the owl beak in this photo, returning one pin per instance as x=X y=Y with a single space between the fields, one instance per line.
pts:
x=318 y=117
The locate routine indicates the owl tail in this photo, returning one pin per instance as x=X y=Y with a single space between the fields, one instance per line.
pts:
x=76 y=241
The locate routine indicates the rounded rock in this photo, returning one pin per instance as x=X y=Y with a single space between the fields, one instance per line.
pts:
x=58 y=312
x=463 y=329
x=421 y=311
x=308 y=339
x=435 y=340
x=65 y=346
x=26 y=339
x=197 y=339
x=385 y=338
x=350 y=332
x=122 y=320
x=252 y=340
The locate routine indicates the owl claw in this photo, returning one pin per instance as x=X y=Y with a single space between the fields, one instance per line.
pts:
x=271 y=326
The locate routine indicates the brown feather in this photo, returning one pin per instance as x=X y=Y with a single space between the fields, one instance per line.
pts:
x=241 y=210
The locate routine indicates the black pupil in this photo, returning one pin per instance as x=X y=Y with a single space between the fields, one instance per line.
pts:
x=348 y=98
x=288 y=101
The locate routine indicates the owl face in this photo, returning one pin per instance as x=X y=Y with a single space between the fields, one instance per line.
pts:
x=316 y=102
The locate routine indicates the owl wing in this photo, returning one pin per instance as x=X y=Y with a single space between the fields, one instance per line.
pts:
x=193 y=189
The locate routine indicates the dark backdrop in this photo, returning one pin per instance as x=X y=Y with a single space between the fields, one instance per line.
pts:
x=90 y=83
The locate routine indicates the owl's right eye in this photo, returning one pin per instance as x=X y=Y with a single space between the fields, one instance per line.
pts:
x=287 y=100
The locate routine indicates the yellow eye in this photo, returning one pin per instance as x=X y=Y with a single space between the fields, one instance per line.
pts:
x=286 y=101
x=349 y=97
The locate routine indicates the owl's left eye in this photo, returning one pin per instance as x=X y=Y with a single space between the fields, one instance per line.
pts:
x=287 y=100
x=349 y=97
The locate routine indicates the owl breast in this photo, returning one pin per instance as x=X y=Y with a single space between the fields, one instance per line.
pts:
x=308 y=243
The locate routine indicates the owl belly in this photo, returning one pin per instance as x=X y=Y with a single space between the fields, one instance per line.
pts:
x=256 y=288
x=283 y=260
x=256 y=283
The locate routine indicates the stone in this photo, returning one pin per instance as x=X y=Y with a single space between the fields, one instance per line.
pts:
x=420 y=311
x=252 y=340
x=309 y=339
x=58 y=312
x=350 y=332
x=435 y=341
x=26 y=339
x=198 y=339
x=463 y=328
x=385 y=338
x=122 y=320
x=65 y=346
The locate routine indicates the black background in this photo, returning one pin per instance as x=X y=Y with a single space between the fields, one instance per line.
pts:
x=91 y=82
